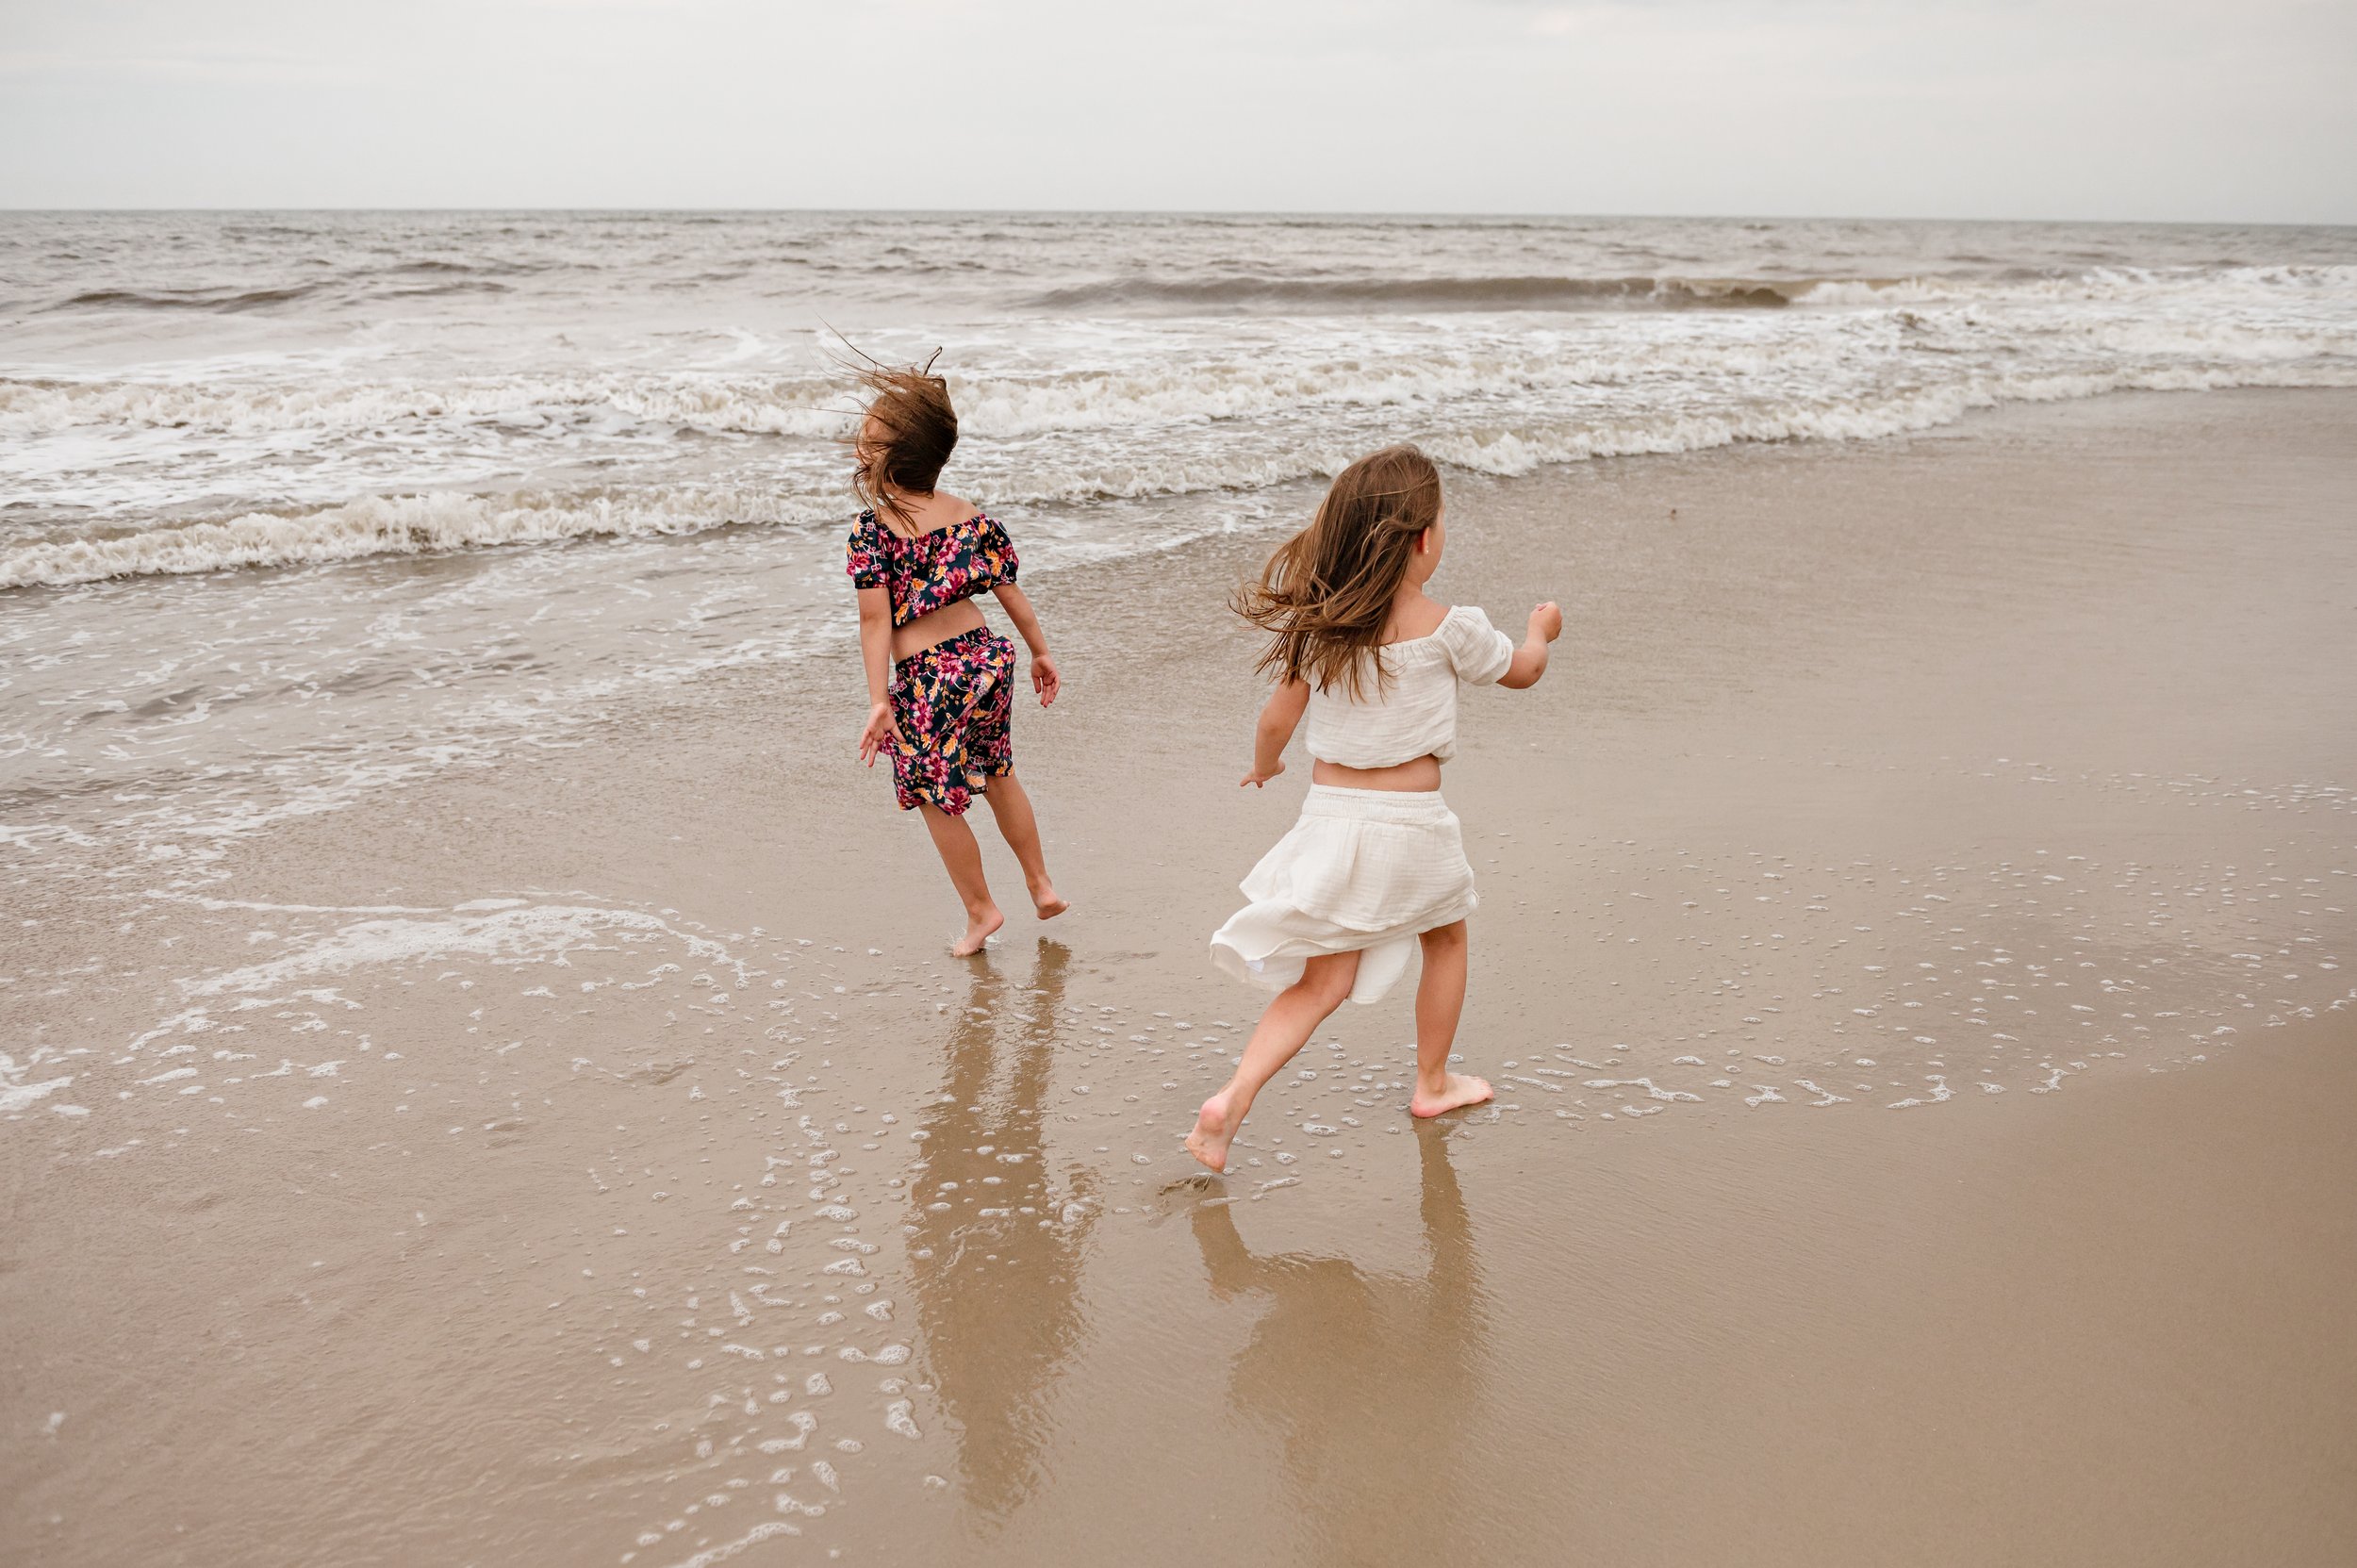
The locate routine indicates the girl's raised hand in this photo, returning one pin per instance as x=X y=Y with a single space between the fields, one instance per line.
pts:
x=1256 y=779
x=882 y=733
x=1546 y=622
x=1044 y=678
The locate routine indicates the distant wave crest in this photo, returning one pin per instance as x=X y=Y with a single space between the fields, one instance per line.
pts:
x=225 y=301
x=1433 y=293
x=1659 y=292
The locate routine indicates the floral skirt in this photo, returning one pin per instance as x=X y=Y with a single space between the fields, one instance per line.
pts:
x=951 y=703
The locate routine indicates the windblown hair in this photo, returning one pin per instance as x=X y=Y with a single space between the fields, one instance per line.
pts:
x=919 y=428
x=1327 y=593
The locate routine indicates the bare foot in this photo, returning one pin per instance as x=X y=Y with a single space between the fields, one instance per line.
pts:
x=1457 y=1090
x=1213 y=1127
x=1048 y=904
x=978 y=931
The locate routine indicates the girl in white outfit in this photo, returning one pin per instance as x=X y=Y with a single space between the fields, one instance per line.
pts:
x=1376 y=866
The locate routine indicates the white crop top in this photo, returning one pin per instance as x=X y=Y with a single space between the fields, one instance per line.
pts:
x=1415 y=715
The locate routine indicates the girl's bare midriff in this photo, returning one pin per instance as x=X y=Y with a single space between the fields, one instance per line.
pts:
x=1421 y=774
x=928 y=631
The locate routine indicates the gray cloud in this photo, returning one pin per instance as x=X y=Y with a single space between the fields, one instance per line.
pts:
x=2090 y=109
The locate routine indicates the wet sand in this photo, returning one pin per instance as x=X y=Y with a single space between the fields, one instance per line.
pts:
x=1914 y=962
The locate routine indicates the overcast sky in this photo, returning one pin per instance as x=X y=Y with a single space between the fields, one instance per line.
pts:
x=2197 y=109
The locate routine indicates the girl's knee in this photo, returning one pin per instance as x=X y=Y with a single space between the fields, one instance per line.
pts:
x=1324 y=1001
x=1326 y=985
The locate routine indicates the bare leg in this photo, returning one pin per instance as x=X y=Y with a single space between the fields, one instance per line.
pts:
x=1440 y=1000
x=964 y=858
x=1283 y=1030
x=1012 y=806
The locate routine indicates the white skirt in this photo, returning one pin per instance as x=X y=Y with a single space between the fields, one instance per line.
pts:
x=1364 y=871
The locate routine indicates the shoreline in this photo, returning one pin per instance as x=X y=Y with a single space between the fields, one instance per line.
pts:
x=2049 y=698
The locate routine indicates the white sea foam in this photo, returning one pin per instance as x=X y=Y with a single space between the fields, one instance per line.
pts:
x=2097 y=285
x=395 y=525
x=1513 y=453
x=20 y=1089
x=801 y=406
x=503 y=932
x=1522 y=440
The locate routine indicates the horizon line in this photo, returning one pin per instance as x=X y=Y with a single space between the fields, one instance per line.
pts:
x=1313 y=213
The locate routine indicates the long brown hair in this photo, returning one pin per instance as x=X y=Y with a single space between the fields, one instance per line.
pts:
x=920 y=430
x=1327 y=594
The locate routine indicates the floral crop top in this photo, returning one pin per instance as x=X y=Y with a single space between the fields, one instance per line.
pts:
x=935 y=569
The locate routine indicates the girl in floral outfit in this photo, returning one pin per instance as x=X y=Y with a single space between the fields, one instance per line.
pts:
x=940 y=682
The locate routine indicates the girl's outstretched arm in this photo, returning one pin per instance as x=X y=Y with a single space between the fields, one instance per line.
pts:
x=1018 y=607
x=1279 y=716
x=875 y=651
x=1530 y=659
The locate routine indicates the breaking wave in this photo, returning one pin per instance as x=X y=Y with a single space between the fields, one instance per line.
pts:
x=386 y=526
x=417 y=524
x=1661 y=293
x=1435 y=293
x=224 y=300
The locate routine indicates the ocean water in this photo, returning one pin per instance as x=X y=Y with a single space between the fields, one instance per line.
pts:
x=294 y=506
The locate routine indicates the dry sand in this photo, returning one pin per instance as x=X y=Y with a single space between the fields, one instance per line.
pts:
x=1915 y=959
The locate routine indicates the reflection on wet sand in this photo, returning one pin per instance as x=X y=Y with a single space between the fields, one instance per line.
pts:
x=1369 y=1378
x=995 y=1256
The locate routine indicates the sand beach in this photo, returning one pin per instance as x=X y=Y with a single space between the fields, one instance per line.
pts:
x=1915 y=961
